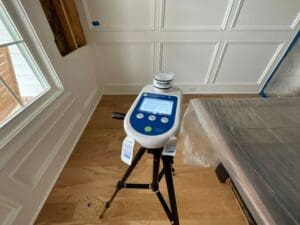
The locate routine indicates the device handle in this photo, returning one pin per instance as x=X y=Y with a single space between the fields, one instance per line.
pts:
x=118 y=115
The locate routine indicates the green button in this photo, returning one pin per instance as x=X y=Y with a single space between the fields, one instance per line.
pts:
x=148 y=129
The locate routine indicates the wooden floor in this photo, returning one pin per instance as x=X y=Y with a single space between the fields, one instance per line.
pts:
x=94 y=168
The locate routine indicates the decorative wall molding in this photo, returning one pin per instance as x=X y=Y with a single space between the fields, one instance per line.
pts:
x=31 y=181
x=150 y=27
x=234 y=27
x=271 y=65
x=218 y=59
x=186 y=30
x=236 y=14
x=268 y=69
x=227 y=15
x=11 y=208
x=216 y=45
x=57 y=147
x=296 y=22
x=222 y=26
x=218 y=65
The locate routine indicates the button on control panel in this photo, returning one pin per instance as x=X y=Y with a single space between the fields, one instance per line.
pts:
x=148 y=129
x=151 y=117
x=164 y=120
x=140 y=115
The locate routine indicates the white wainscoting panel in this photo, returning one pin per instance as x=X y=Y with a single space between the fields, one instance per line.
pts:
x=120 y=14
x=35 y=163
x=126 y=62
x=195 y=15
x=190 y=61
x=246 y=62
x=267 y=15
x=212 y=46
x=8 y=211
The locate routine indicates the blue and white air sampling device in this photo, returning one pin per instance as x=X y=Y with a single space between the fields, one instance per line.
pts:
x=155 y=115
x=153 y=121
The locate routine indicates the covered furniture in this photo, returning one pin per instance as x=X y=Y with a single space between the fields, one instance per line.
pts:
x=258 y=142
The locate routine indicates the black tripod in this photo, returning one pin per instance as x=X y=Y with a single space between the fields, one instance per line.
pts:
x=154 y=185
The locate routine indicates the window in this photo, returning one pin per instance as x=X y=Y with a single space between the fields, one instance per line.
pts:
x=24 y=87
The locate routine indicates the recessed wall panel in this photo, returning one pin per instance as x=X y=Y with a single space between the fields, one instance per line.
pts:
x=120 y=14
x=246 y=63
x=126 y=63
x=8 y=211
x=43 y=151
x=195 y=14
x=268 y=14
x=191 y=62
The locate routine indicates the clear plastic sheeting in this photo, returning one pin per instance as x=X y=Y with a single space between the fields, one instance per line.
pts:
x=286 y=80
x=197 y=148
x=258 y=142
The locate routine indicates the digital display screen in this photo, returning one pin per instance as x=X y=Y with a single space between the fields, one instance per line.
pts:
x=157 y=106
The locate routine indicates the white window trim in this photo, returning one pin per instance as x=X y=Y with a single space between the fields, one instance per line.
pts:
x=41 y=102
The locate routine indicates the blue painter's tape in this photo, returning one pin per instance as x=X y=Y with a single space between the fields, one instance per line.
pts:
x=296 y=39
x=95 y=23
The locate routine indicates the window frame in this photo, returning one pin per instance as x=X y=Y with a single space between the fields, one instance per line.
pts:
x=30 y=111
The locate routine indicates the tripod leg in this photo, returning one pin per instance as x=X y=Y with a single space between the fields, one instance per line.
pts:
x=172 y=165
x=167 y=161
x=155 y=171
x=161 y=174
x=121 y=183
x=164 y=205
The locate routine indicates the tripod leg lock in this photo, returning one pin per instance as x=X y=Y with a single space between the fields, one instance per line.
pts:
x=107 y=205
x=120 y=184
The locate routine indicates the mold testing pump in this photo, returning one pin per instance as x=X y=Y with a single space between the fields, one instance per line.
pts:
x=153 y=121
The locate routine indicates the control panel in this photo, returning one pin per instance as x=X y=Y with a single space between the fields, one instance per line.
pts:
x=154 y=113
x=154 y=117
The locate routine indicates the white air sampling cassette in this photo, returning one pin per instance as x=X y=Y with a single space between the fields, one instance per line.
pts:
x=154 y=117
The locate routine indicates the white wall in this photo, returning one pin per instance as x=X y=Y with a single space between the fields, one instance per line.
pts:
x=31 y=162
x=227 y=46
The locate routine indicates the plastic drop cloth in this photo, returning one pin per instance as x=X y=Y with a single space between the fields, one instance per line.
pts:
x=197 y=148
x=258 y=142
